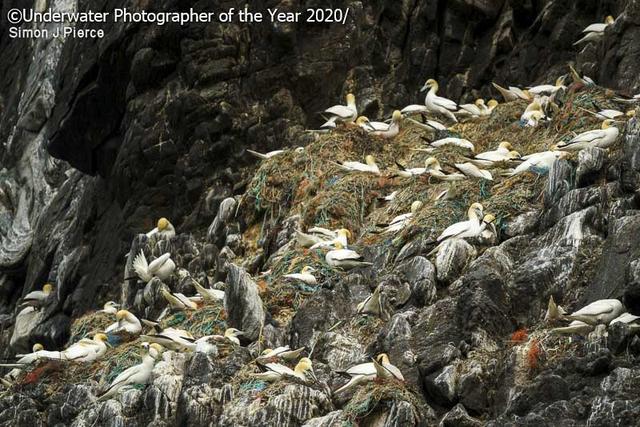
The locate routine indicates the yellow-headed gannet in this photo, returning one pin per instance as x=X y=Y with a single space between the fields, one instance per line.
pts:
x=315 y=235
x=394 y=127
x=179 y=301
x=208 y=294
x=595 y=31
x=601 y=311
x=548 y=89
x=435 y=171
x=575 y=328
x=491 y=105
x=164 y=229
x=275 y=371
x=602 y=138
x=125 y=322
x=264 y=156
x=370 y=126
x=345 y=259
x=284 y=353
x=584 y=80
x=342 y=113
x=472 y=171
x=374 y=305
x=503 y=153
x=401 y=221
x=458 y=142
x=437 y=104
x=513 y=93
x=409 y=172
x=161 y=267
x=628 y=319
x=539 y=163
x=463 y=229
x=24 y=360
x=385 y=370
x=477 y=109
x=342 y=237
x=110 y=307
x=171 y=338
x=137 y=374
x=304 y=276
x=85 y=350
x=369 y=165
x=554 y=311
x=37 y=299
x=532 y=114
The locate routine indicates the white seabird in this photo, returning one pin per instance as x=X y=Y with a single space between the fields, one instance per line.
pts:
x=548 y=89
x=275 y=371
x=345 y=259
x=85 y=350
x=513 y=93
x=437 y=104
x=628 y=319
x=342 y=237
x=172 y=339
x=554 y=311
x=304 y=276
x=37 y=299
x=409 y=172
x=394 y=127
x=463 y=229
x=179 y=301
x=208 y=294
x=125 y=322
x=600 y=311
x=284 y=353
x=137 y=374
x=164 y=230
x=24 y=360
x=161 y=267
x=477 y=109
x=373 y=304
x=342 y=113
x=110 y=307
x=307 y=240
x=503 y=153
x=365 y=372
x=575 y=328
x=264 y=156
x=401 y=221
x=370 y=126
x=458 y=142
x=594 y=32
x=539 y=163
x=385 y=370
x=472 y=171
x=369 y=166
x=602 y=138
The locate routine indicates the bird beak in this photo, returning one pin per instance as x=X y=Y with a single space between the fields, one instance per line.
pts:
x=425 y=87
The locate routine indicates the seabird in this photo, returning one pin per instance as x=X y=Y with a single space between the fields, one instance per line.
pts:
x=472 y=171
x=394 y=127
x=304 y=276
x=284 y=353
x=171 y=338
x=477 y=109
x=345 y=259
x=306 y=240
x=275 y=371
x=513 y=93
x=164 y=229
x=437 y=104
x=369 y=166
x=24 y=360
x=366 y=372
x=264 y=156
x=374 y=305
x=601 y=311
x=429 y=163
x=341 y=113
x=575 y=328
x=539 y=163
x=435 y=171
x=37 y=299
x=342 y=237
x=370 y=126
x=137 y=374
x=208 y=294
x=602 y=138
x=110 y=307
x=401 y=221
x=179 y=301
x=458 y=142
x=594 y=32
x=464 y=229
x=549 y=89
x=503 y=153
x=85 y=350
x=384 y=368
x=125 y=322
x=532 y=114
x=161 y=267
x=554 y=311
x=584 y=80
x=226 y=211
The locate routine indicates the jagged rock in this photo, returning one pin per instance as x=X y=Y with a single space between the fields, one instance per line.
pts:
x=522 y=224
x=546 y=389
x=619 y=403
x=242 y=302
x=473 y=390
x=442 y=385
x=452 y=258
x=329 y=420
x=458 y=417
x=590 y=162
x=421 y=275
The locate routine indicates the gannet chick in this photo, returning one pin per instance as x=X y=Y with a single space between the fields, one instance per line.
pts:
x=554 y=311
x=458 y=142
x=161 y=267
x=208 y=294
x=37 y=299
x=385 y=370
x=401 y=221
x=601 y=311
x=513 y=93
x=164 y=229
x=549 y=89
x=137 y=374
x=125 y=322
x=178 y=301
x=264 y=156
x=342 y=237
x=602 y=138
x=274 y=371
x=595 y=31
x=575 y=328
x=394 y=128
x=304 y=276
x=345 y=259
x=464 y=229
x=284 y=353
x=85 y=350
x=110 y=307
x=437 y=104
x=539 y=163
x=373 y=305
x=369 y=166
x=342 y=113
x=472 y=171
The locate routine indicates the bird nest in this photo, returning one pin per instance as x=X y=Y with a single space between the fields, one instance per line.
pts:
x=90 y=324
x=206 y=320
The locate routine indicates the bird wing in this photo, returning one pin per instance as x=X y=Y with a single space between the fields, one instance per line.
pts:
x=597 y=28
x=445 y=103
x=323 y=231
x=597 y=307
x=141 y=267
x=470 y=169
x=341 y=111
x=125 y=375
x=34 y=296
x=346 y=254
x=454 y=230
x=158 y=262
x=588 y=136
x=280 y=369
x=362 y=369
x=414 y=109
x=393 y=370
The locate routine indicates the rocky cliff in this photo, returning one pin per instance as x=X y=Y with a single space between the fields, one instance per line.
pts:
x=101 y=137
